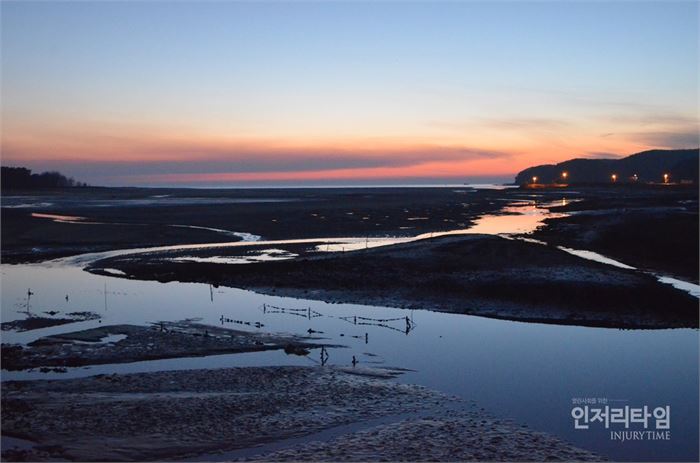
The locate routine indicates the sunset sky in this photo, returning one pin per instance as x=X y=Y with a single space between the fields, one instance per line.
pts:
x=243 y=93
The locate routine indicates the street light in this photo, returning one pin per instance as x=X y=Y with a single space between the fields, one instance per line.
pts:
x=665 y=178
x=534 y=179
x=613 y=177
x=564 y=175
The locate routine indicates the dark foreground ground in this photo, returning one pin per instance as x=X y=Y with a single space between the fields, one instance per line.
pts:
x=336 y=413
x=181 y=414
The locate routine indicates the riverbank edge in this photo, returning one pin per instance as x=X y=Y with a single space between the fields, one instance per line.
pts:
x=543 y=296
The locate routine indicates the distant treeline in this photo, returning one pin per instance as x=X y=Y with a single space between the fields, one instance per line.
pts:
x=680 y=166
x=17 y=178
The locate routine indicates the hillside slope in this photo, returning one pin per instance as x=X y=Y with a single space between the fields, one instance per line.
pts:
x=648 y=166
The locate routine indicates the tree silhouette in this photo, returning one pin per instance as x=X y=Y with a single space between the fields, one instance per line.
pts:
x=15 y=178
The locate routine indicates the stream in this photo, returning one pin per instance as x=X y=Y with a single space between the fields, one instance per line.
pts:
x=529 y=372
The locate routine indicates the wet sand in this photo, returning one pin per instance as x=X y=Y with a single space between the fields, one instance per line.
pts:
x=132 y=343
x=181 y=414
x=482 y=275
x=463 y=436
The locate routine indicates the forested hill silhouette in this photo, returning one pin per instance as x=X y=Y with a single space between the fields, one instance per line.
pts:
x=21 y=178
x=681 y=166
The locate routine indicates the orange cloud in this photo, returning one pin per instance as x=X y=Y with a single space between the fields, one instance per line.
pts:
x=122 y=154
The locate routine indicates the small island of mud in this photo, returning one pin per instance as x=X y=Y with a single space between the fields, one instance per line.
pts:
x=482 y=275
x=131 y=343
x=35 y=322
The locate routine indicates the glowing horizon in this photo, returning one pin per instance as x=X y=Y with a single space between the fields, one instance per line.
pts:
x=227 y=93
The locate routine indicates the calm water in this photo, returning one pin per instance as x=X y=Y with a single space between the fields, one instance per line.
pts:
x=529 y=372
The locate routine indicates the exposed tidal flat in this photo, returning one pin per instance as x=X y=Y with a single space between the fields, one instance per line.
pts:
x=176 y=415
x=117 y=218
x=131 y=343
x=472 y=274
x=537 y=368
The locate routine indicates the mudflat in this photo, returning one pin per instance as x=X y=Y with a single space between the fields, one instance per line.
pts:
x=181 y=414
x=133 y=343
x=472 y=274
x=470 y=435
x=116 y=218
x=627 y=222
x=35 y=322
x=660 y=239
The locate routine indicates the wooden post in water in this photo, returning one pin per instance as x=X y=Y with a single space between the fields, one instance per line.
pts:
x=324 y=355
x=29 y=296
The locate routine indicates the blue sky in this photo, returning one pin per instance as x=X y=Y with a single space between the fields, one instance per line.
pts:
x=102 y=88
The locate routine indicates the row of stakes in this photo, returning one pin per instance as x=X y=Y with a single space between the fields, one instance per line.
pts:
x=324 y=355
x=240 y=322
x=310 y=313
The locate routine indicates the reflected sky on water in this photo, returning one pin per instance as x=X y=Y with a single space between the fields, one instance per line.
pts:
x=529 y=372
